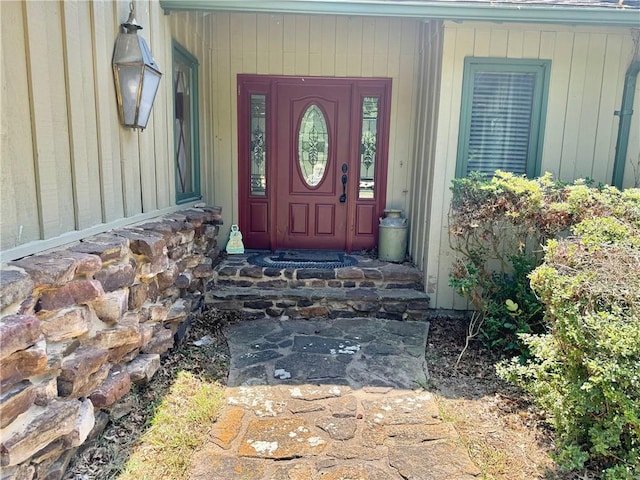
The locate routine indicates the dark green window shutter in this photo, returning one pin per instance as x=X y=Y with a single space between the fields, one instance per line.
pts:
x=501 y=123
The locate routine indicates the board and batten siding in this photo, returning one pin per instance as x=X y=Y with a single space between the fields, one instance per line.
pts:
x=588 y=66
x=304 y=45
x=67 y=166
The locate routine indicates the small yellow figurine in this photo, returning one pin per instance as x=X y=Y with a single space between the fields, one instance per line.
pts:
x=235 y=245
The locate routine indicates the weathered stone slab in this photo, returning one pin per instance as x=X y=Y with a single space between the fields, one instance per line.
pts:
x=82 y=363
x=149 y=244
x=178 y=310
x=303 y=406
x=86 y=264
x=138 y=295
x=312 y=367
x=23 y=364
x=116 y=337
x=349 y=273
x=112 y=305
x=281 y=438
x=153 y=268
x=415 y=434
x=263 y=401
x=352 y=449
x=114 y=387
x=208 y=465
x=167 y=277
x=143 y=367
x=252 y=358
x=403 y=410
x=15 y=286
x=317 y=392
x=107 y=246
x=116 y=276
x=15 y=401
x=302 y=470
x=325 y=345
x=81 y=387
x=344 y=407
x=160 y=343
x=154 y=312
x=18 y=332
x=84 y=423
x=73 y=293
x=227 y=427
x=360 y=472
x=48 y=269
x=319 y=273
x=433 y=461
x=68 y=323
x=42 y=427
x=338 y=428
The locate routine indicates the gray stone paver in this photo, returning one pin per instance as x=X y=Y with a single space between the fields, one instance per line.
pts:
x=321 y=399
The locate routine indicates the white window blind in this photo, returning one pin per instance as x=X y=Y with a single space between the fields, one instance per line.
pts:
x=502 y=117
x=500 y=122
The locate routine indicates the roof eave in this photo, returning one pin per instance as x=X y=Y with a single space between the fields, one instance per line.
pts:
x=495 y=12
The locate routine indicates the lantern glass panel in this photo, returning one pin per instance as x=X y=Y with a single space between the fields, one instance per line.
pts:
x=150 y=84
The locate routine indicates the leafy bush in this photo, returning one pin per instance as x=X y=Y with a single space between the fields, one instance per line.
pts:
x=586 y=370
x=497 y=226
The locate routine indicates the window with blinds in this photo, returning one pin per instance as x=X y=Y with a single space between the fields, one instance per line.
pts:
x=502 y=116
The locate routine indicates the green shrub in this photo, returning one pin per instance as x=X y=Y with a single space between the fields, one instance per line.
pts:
x=497 y=226
x=586 y=370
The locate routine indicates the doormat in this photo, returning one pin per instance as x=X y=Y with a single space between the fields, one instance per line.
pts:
x=302 y=259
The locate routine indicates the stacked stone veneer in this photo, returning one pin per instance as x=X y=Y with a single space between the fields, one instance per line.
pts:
x=79 y=325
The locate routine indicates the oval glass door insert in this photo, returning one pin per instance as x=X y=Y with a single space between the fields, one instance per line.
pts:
x=313 y=145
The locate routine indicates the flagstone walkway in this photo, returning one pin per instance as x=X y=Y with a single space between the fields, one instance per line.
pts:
x=330 y=399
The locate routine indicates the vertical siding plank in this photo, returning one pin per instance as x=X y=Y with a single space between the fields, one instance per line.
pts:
x=329 y=54
x=82 y=114
x=262 y=44
x=146 y=151
x=514 y=43
x=574 y=106
x=302 y=45
x=289 y=45
x=226 y=141
x=606 y=128
x=354 y=47
x=395 y=36
x=342 y=39
x=498 y=43
x=276 y=48
x=249 y=48
x=49 y=117
x=316 y=40
x=531 y=44
x=482 y=41
x=104 y=31
x=556 y=105
x=18 y=195
x=163 y=109
x=368 y=43
x=381 y=47
x=129 y=153
x=587 y=130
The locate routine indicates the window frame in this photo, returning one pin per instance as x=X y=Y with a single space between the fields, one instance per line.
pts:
x=180 y=52
x=541 y=69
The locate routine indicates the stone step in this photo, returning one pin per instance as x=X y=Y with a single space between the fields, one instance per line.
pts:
x=309 y=302
x=368 y=273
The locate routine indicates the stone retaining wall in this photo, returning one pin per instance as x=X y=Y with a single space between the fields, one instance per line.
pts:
x=80 y=325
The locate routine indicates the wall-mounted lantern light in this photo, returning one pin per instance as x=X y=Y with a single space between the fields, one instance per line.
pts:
x=136 y=75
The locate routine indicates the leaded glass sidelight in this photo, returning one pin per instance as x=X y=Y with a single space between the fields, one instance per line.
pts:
x=258 y=145
x=313 y=145
x=368 y=144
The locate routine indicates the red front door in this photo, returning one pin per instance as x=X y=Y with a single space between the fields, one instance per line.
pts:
x=313 y=155
x=312 y=161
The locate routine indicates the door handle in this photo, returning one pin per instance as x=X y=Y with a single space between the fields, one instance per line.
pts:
x=343 y=197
